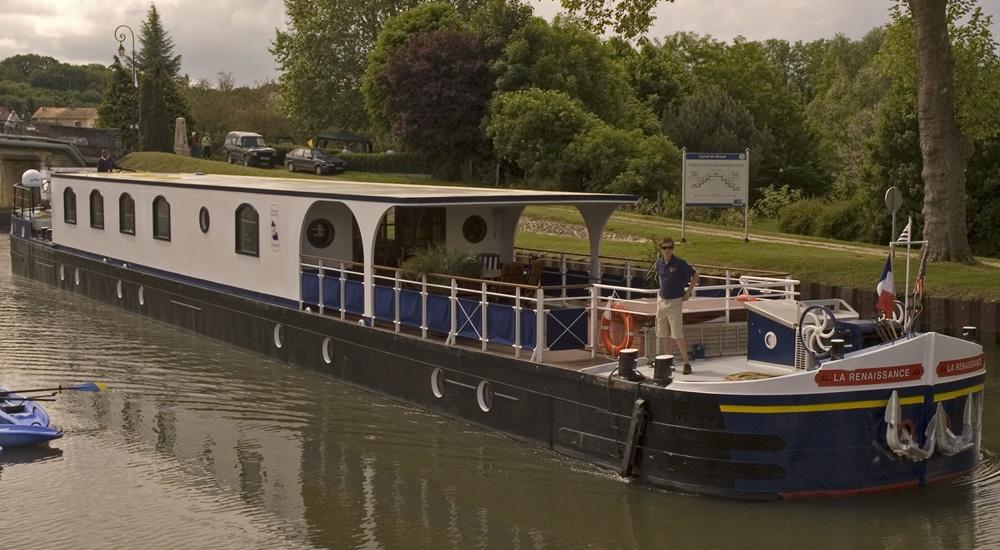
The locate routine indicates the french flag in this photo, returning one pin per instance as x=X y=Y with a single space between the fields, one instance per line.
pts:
x=885 y=290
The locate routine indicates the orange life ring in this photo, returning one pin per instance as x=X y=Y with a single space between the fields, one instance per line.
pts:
x=745 y=296
x=612 y=347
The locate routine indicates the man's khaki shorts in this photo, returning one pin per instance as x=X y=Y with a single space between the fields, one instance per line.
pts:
x=669 y=318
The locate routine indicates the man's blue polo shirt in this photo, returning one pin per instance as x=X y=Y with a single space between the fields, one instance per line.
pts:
x=674 y=277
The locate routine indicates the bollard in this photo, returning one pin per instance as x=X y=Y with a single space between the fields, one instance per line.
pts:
x=663 y=369
x=836 y=349
x=626 y=364
x=969 y=333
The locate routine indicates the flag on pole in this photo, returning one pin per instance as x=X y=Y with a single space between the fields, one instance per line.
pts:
x=885 y=290
x=918 y=286
x=904 y=237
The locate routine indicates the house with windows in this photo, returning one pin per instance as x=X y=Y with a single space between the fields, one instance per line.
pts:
x=79 y=117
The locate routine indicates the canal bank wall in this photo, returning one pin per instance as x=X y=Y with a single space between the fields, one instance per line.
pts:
x=944 y=315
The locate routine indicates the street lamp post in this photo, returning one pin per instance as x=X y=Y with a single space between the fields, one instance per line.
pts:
x=121 y=36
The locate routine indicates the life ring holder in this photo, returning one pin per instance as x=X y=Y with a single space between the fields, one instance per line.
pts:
x=610 y=346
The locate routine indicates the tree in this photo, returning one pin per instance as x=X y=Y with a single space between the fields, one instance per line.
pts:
x=397 y=31
x=564 y=56
x=628 y=18
x=533 y=128
x=497 y=22
x=119 y=106
x=323 y=55
x=946 y=151
x=436 y=89
x=160 y=68
x=155 y=133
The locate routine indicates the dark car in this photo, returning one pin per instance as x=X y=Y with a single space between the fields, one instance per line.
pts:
x=314 y=160
x=248 y=148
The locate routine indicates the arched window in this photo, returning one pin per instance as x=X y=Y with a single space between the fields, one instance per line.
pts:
x=96 y=209
x=126 y=214
x=247 y=231
x=161 y=219
x=69 y=206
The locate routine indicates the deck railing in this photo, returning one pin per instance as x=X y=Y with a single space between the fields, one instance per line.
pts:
x=539 y=318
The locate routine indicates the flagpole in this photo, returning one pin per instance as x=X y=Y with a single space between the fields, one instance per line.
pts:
x=906 y=288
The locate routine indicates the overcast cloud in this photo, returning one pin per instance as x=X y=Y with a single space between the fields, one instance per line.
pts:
x=234 y=35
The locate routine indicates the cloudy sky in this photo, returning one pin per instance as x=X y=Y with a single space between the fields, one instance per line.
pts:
x=234 y=35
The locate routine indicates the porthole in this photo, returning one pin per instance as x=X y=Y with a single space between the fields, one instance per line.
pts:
x=474 y=229
x=484 y=395
x=62 y=272
x=320 y=233
x=119 y=289
x=437 y=383
x=278 y=333
x=76 y=276
x=142 y=296
x=204 y=220
x=770 y=340
x=327 y=348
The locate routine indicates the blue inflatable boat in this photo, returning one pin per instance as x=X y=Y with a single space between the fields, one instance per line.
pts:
x=23 y=422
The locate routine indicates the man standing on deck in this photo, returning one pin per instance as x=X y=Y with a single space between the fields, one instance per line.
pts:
x=675 y=274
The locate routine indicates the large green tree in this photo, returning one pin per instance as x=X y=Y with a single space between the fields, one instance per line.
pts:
x=436 y=89
x=119 y=107
x=160 y=68
x=397 y=32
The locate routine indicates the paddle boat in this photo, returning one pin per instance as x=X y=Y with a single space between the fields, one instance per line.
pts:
x=23 y=421
x=790 y=397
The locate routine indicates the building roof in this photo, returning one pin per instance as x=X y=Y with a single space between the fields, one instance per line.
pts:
x=65 y=113
x=388 y=193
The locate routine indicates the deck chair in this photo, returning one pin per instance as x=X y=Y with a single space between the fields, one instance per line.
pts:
x=535 y=275
x=512 y=273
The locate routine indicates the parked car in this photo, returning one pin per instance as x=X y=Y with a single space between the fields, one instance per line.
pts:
x=314 y=160
x=248 y=148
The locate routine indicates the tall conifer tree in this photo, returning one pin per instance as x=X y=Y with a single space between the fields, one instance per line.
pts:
x=161 y=69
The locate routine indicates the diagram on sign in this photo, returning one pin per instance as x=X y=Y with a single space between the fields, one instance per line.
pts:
x=715 y=179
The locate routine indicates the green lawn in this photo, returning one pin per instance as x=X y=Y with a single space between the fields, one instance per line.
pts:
x=167 y=162
x=835 y=267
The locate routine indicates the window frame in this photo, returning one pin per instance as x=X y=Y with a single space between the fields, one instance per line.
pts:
x=69 y=205
x=126 y=198
x=95 y=194
x=156 y=201
x=239 y=231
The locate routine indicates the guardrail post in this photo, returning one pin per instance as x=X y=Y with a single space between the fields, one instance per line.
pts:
x=454 y=314
x=343 y=292
x=483 y=309
x=728 y=283
x=517 y=322
x=536 y=356
x=594 y=319
x=396 y=301
x=562 y=273
x=628 y=280
x=423 y=306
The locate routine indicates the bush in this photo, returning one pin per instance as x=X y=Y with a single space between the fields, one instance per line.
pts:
x=442 y=260
x=280 y=152
x=395 y=163
x=800 y=216
x=773 y=199
x=839 y=220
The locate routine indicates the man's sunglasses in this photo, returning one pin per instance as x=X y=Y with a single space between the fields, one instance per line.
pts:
x=666 y=248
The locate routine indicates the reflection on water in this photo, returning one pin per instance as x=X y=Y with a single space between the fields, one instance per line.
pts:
x=199 y=444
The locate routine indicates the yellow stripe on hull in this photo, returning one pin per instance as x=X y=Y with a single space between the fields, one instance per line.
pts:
x=843 y=406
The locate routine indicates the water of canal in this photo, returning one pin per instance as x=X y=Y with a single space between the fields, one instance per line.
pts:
x=200 y=445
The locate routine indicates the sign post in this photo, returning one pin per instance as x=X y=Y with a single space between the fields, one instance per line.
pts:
x=716 y=180
x=893 y=200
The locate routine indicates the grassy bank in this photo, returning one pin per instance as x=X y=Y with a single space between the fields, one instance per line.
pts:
x=167 y=162
x=827 y=261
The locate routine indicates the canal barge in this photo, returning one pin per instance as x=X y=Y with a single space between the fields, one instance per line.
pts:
x=307 y=272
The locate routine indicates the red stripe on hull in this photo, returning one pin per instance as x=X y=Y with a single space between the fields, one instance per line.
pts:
x=837 y=493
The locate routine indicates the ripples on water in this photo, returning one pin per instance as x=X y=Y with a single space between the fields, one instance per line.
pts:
x=199 y=445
